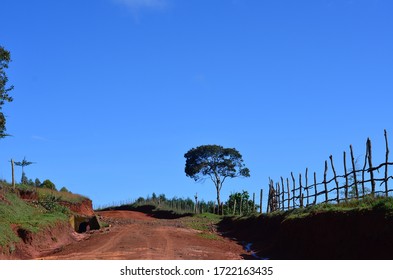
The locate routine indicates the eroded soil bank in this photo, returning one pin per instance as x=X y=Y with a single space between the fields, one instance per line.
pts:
x=319 y=236
x=47 y=241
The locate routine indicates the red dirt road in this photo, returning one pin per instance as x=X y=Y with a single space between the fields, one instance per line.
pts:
x=135 y=235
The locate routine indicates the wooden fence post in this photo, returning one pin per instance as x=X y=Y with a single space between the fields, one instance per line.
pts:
x=293 y=191
x=335 y=179
x=260 y=198
x=315 y=188
x=346 y=177
x=363 y=172
x=283 y=194
x=370 y=164
x=325 y=182
x=278 y=196
x=289 y=195
x=386 y=165
x=355 y=179
x=268 y=200
x=306 y=188
x=300 y=191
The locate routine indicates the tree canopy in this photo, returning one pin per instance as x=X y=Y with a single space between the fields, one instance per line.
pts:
x=215 y=162
x=48 y=185
x=5 y=58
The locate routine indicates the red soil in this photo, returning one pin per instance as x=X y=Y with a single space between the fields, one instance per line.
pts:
x=134 y=235
x=85 y=208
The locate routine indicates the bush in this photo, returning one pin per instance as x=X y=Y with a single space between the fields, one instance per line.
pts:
x=64 y=189
x=48 y=185
x=51 y=203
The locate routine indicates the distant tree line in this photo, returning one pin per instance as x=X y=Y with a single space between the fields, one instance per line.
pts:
x=238 y=203
x=46 y=184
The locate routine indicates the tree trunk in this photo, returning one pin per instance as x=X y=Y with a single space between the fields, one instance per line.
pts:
x=218 y=197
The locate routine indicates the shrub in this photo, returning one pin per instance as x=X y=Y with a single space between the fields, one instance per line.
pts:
x=48 y=185
x=64 y=189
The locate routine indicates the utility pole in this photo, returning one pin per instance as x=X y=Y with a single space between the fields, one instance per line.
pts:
x=13 y=173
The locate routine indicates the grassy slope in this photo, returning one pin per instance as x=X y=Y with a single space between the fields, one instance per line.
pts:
x=205 y=223
x=17 y=213
x=59 y=196
x=20 y=214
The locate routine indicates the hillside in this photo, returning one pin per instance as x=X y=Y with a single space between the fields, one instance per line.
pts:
x=35 y=221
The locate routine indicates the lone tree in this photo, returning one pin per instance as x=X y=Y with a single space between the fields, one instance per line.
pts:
x=5 y=58
x=215 y=162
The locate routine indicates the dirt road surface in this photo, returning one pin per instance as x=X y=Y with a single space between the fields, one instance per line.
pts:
x=137 y=236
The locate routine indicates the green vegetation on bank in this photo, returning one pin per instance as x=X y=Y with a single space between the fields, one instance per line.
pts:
x=369 y=203
x=43 y=193
x=205 y=223
x=14 y=212
x=32 y=215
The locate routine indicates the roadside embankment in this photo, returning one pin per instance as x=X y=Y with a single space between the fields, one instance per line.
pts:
x=36 y=222
x=351 y=234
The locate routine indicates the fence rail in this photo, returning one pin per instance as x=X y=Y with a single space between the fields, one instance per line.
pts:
x=357 y=182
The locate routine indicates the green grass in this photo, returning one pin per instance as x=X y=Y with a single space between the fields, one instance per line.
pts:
x=60 y=196
x=381 y=204
x=204 y=223
x=17 y=213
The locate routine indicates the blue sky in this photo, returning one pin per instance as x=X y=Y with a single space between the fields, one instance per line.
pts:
x=110 y=94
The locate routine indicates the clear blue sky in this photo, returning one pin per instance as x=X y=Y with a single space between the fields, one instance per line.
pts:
x=110 y=94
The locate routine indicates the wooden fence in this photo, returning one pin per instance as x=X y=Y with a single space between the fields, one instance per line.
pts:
x=358 y=183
